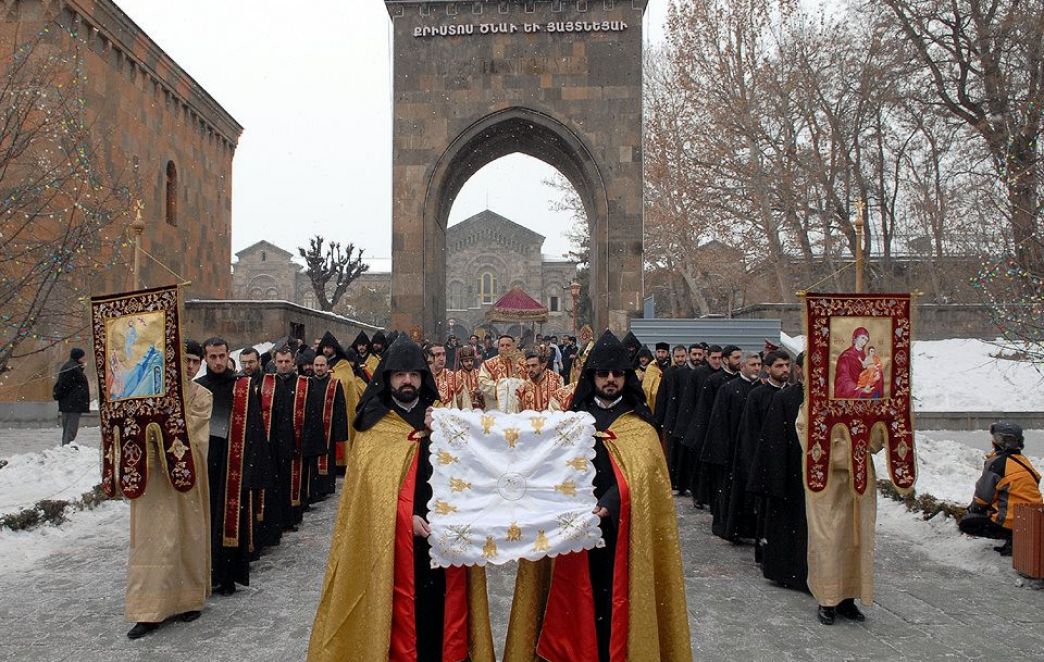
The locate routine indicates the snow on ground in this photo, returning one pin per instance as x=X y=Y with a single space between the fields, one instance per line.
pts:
x=21 y=549
x=963 y=374
x=55 y=473
x=947 y=470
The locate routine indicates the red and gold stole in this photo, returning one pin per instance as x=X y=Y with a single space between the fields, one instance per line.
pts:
x=234 y=461
x=328 y=407
x=300 y=401
x=445 y=384
x=268 y=385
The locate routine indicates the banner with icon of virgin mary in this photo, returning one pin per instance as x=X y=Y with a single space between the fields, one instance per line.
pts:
x=137 y=353
x=858 y=385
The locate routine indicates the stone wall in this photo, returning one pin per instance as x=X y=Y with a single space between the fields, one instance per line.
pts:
x=932 y=321
x=244 y=323
x=146 y=113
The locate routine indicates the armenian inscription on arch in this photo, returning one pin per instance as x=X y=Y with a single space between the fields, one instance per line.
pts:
x=559 y=80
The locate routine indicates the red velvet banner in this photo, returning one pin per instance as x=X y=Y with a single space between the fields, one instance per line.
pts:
x=857 y=382
x=137 y=354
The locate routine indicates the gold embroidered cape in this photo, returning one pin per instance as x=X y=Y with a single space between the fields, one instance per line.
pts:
x=651 y=384
x=659 y=625
x=354 y=617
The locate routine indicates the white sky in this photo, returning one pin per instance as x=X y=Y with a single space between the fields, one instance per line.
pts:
x=312 y=87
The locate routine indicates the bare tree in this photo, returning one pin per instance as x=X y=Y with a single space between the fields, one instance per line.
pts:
x=334 y=264
x=63 y=212
x=984 y=63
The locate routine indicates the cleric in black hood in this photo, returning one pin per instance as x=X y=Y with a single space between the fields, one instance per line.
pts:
x=621 y=391
x=409 y=401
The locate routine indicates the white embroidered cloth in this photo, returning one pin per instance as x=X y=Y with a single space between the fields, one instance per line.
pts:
x=511 y=486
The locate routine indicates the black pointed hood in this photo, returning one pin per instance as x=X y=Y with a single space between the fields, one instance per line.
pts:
x=633 y=345
x=361 y=339
x=404 y=355
x=393 y=335
x=379 y=338
x=646 y=352
x=609 y=353
x=328 y=340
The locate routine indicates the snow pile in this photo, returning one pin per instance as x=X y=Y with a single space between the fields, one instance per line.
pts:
x=963 y=375
x=64 y=473
x=55 y=473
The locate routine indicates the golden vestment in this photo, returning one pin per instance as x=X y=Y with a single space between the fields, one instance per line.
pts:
x=354 y=617
x=495 y=369
x=841 y=525
x=542 y=395
x=651 y=384
x=658 y=629
x=168 y=572
x=353 y=387
x=371 y=363
x=467 y=383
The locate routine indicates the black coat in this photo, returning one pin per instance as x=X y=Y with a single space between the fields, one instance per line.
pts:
x=71 y=389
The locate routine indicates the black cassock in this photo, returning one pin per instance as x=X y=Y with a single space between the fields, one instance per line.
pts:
x=231 y=565
x=316 y=444
x=777 y=480
x=667 y=399
x=696 y=434
x=282 y=444
x=741 y=511
x=719 y=448
x=688 y=398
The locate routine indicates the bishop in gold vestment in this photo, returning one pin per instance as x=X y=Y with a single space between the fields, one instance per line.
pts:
x=505 y=365
x=625 y=601
x=381 y=599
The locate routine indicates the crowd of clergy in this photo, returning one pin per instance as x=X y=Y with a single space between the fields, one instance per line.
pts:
x=271 y=434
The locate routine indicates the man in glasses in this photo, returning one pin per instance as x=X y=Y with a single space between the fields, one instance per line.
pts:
x=638 y=522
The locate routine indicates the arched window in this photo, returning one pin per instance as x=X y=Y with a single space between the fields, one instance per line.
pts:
x=455 y=300
x=487 y=288
x=172 y=194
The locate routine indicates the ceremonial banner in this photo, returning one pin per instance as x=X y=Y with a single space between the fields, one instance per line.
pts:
x=858 y=385
x=511 y=486
x=137 y=353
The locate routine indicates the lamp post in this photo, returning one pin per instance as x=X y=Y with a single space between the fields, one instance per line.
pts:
x=574 y=290
x=138 y=228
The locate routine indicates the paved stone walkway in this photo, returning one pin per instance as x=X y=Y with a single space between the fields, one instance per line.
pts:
x=71 y=608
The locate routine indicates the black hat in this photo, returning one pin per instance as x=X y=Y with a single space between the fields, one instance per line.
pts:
x=664 y=346
x=609 y=353
x=404 y=355
x=644 y=351
x=1009 y=433
x=362 y=339
x=631 y=342
x=328 y=340
x=305 y=356
x=193 y=348
x=76 y=354
x=379 y=338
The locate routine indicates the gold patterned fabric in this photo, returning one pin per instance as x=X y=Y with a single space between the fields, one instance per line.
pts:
x=841 y=525
x=467 y=383
x=541 y=396
x=658 y=616
x=651 y=384
x=354 y=617
x=493 y=371
x=168 y=571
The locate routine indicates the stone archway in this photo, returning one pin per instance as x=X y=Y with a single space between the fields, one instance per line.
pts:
x=478 y=80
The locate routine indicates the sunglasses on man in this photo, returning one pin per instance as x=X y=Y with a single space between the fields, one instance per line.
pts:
x=605 y=374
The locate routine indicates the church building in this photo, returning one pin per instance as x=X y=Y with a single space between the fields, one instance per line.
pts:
x=487 y=255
